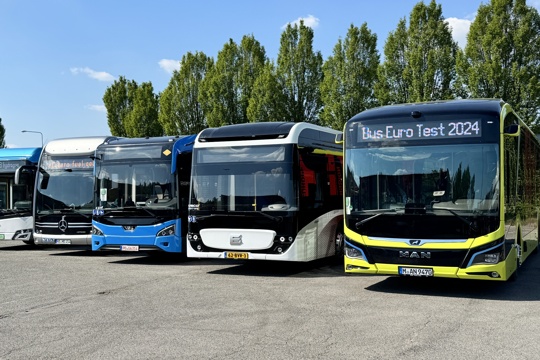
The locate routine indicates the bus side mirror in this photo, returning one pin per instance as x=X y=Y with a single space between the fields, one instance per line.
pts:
x=45 y=180
x=512 y=130
x=339 y=138
x=25 y=175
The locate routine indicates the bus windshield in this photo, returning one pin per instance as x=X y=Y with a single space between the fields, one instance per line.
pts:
x=135 y=184
x=243 y=179
x=64 y=184
x=459 y=178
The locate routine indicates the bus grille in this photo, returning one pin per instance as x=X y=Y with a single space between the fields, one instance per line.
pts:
x=416 y=256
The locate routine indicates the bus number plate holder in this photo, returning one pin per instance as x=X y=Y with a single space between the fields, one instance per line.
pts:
x=411 y=271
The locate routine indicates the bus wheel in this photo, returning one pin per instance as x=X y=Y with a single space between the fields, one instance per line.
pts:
x=29 y=242
x=340 y=243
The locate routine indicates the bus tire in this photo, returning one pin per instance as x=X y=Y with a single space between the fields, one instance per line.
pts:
x=29 y=242
x=339 y=243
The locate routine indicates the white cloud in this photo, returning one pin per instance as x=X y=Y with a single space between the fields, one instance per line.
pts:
x=460 y=29
x=169 y=65
x=97 y=75
x=100 y=108
x=309 y=21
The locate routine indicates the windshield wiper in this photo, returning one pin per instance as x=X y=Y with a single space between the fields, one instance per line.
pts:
x=72 y=210
x=470 y=223
x=236 y=214
x=129 y=209
x=379 y=213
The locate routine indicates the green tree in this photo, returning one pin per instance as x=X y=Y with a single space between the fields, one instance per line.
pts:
x=421 y=65
x=391 y=86
x=226 y=89
x=502 y=57
x=142 y=120
x=267 y=101
x=180 y=111
x=349 y=77
x=118 y=100
x=299 y=73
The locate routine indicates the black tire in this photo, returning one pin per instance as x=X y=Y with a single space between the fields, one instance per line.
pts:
x=339 y=244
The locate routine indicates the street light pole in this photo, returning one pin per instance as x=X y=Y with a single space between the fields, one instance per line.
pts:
x=36 y=132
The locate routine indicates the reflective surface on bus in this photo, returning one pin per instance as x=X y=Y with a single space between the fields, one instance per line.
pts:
x=387 y=186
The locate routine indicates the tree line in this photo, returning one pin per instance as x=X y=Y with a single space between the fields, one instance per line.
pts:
x=421 y=62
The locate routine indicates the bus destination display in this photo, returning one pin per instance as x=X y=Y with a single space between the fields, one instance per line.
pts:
x=439 y=129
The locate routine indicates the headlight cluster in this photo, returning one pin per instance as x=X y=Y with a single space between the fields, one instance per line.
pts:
x=96 y=231
x=353 y=252
x=168 y=231
x=492 y=255
x=285 y=239
x=24 y=234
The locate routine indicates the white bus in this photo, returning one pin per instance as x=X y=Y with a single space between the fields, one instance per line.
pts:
x=17 y=177
x=266 y=191
x=64 y=191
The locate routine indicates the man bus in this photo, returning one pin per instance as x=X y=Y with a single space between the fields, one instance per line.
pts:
x=443 y=189
x=142 y=190
x=64 y=191
x=266 y=191
x=17 y=178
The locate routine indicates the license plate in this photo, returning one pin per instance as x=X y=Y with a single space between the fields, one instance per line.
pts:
x=407 y=271
x=62 y=242
x=129 y=248
x=236 y=255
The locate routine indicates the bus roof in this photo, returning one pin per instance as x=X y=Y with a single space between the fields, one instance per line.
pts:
x=259 y=131
x=76 y=145
x=182 y=144
x=29 y=154
x=443 y=106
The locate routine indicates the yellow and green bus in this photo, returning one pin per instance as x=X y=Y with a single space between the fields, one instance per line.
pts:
x=440 y=189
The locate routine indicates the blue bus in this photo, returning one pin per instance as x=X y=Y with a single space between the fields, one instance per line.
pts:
x=141 y=194
x=17 y=176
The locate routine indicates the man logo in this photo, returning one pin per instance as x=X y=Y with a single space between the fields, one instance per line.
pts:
x=415 y=242
x=415 y=254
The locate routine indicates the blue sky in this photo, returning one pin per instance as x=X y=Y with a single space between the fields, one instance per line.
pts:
x=58 y=57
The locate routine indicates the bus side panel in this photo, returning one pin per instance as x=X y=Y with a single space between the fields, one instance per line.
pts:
x=10 y=228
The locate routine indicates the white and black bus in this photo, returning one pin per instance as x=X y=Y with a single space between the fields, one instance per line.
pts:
x=266 y=191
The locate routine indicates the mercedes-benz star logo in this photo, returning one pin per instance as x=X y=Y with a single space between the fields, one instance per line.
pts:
x=63 y=224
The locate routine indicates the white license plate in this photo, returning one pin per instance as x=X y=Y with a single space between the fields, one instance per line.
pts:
x=129 y=248
x=408 y=271
x=62 y=241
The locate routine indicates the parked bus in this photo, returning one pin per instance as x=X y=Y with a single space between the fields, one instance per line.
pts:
x=142 y=190
x=17 y=177
x=443 y=189
x=64 y=191
x=269 y=191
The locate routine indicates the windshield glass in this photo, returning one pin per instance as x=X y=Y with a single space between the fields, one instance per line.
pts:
x=243 y=179
x=135 y=182
x=456 y=177
x=65 y=184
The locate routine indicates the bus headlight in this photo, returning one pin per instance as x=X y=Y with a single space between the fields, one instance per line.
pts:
x=168 y=231
x=96 y=231
x=24 y=234
x=489 y=256
x=353 y=252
